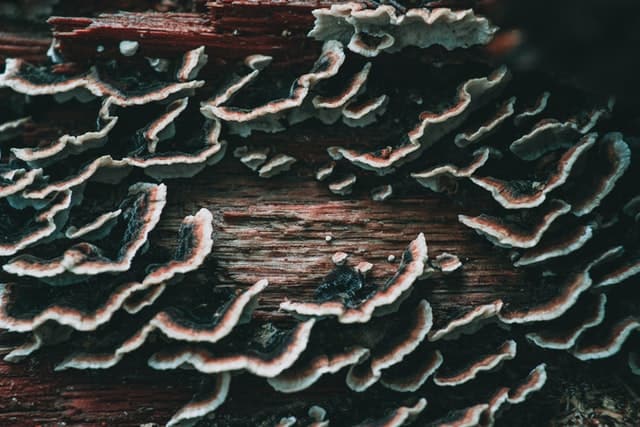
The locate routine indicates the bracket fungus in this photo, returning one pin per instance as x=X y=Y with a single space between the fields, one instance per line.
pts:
x=342 y=105
x=345 y=295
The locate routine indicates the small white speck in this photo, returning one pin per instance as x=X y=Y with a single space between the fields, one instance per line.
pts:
x=129 y=47
x=236 y=32
x=99 y=48
x=328 y=238
x=391 y=258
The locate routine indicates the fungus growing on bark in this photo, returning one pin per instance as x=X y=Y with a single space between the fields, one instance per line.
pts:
x=141 y=212
x=468 y=372
x=566 y=294
x=556 y=246
x=13 y=181
x=360 y=114
x=369 y=32
x=473 y=137
x=537 y=108
x=84 y=305
x=466 y=417
x=343 y=186
x=392 y=350
x=266 y=116
x=512 y=234
x=68 y=144
x=163 y=127
x=527 y=194
x=265 y=351
x=606 y=340
x=563 y=333
x=41 y=225
x=95 y=229
x=176 y=322
x=276 y=165
x=468 y=323
x=443 y=177
x=382 y=193
x=618 y=157
x=252 y=158
x=345 y=295
x=410 y=374
x=92 y=275
x=550 y=135
x=431 y=126
x=205 y=404
x=534 y=382
x=306 y=372
x=446 y=262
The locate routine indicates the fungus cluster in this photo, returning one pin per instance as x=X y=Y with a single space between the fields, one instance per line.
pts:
x=81 y=195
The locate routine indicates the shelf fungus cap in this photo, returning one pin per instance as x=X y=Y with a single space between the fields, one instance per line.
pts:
x=468 y=323
x=615 y=335
x=538 y=107
x=369 y=32
x=172 y=164
x=383 y=161
x=508 y=235
x=471 y=95
x=103 y=168
x=519 y=194
x=95 y=229
x=356 y=85
x=617 y=155
x=404 y=415
x=192 y=62
x=567 y=292
x=328 y=64
x=9 y=129
x=85 y=306
x=447 y=262
x=17 y=315
x=251 y=158
x=435 y=178
x=343 y=186
x=302 y=375
x=276 y=165
x=226 y=318
x=534 y=382
x=556 y=246
x=121 y=95
x=68 y=144
x=85 y=259
x=382 y=193
x=465 y=139
x=467 y=417
x=45 y=224
x=567 y=329
x=392 y=351
x=264 y=365
x=410 y=375
x=411 y=268
x=163 y=127
x=506 y=351
x=27 y=79
x=195 y=242
x=203 y=405
x=15 y=180
x=360 y=114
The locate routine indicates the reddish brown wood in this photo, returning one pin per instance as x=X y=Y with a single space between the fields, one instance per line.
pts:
x=229 y=30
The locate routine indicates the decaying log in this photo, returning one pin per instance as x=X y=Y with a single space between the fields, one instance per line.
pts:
x=310 y=213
